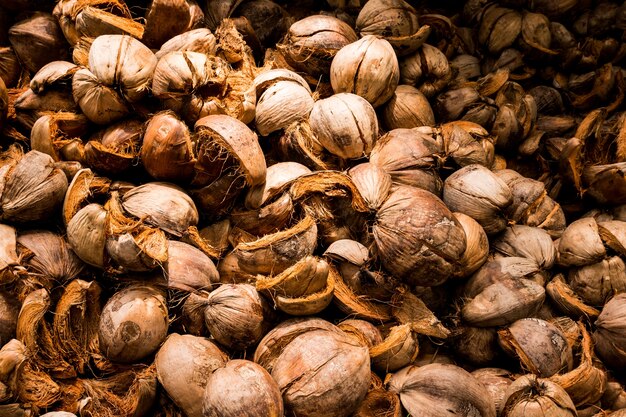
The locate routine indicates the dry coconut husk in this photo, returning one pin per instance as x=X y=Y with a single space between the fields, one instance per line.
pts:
x=58 y=135
x=126 y=393
x=36 y=334
x=9 y=311
x=273 y=253
x=33 y=187
x=586 y=383
x=75 y=324
x=397 y=350
x=355 y=305
x=379 y=402
x=115 y=148
x=567 y=301
x=85 y=184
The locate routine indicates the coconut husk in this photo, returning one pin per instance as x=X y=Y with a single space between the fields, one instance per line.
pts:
x=564 y=297
x=8 y=254
x=357 y=306
x=267 y=219
x=58 y=133
x=308 y=304
x=274 y=253
x=409 y=309
x=397 y=350
x=128 y=393
x=35 y=387
x=84 y=185
x=92 y=22
x=308 y=276
x=586 y=383
x=379 y=402
x=331 y=184
x=298 y=143
x=75 y=324
x=193 y=237
x=37 y=336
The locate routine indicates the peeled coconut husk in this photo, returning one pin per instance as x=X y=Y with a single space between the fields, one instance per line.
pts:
x=299 y=144
x=241 y=388
x=75 y=324
x=84 y=184
x=66 y=11
x=184 y=364
x=411 y=157
x=530 y=395
x=478 y=345
x=363 y=331
x=188 y=268
x=567 y=301
x=274 y=253
x=407 y=308
x=29 y=106
x=37 y=336
x=278 y=177
x=58 y=135
x=229 y=156
x=609 y=334
x=477 y=246
x=496 y=381
x=358 y=306
x=328 y=184
x=115 y=148
x=379 y=402
x=586 y=383
x=126 y=393
x=373 y=183
x=209 y=241
x=196 y=40
x=527 y=242
x=35 y=387
x=431 y=389
x=397 y=350
x=86 y=234
x=10 y=68
x=92 y=22
x=165 y=19
x=265 y=220
x=133 y=323
x=12 y=355
x=33 y=188
x=307 y=304
x=162 y=205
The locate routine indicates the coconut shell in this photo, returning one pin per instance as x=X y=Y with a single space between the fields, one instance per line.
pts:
x=38 y=40
x=86 y=234
x=432 y=242
x=196 y=40
x=580 y=243
x=188 y=268
x=339 y=381
x=133 y=324
x=242 y=388
x=529 y=395
x=540 y=346
x=189 y=359
x=236 y=315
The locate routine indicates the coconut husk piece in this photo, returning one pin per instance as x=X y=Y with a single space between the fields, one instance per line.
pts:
x=193 y=237
x=35 y=333
x=75 y=324
x=264 y=220
x=357 y=306
x=308 y=276
x=12 y=355
x=274 y=253
x=93 y=22
x=306 y=305
x=35 y=387
x=14 y=410
x=80 y=54
x=58 y=135
x=397 y=350
x=299 y=144
x=586 y=383
x=128 y=393
x=379 y=402
x=409 y=309
x=567 y=300
x=329 y=184
x=84 y=186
